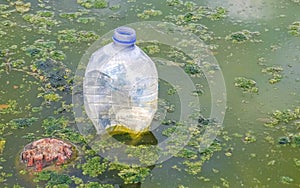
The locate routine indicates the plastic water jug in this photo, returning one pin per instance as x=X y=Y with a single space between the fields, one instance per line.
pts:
x=121 y=85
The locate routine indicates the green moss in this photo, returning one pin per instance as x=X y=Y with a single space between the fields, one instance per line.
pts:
x=294 y=28
x=247 y=85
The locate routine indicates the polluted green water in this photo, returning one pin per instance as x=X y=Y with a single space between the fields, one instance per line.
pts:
x=255 y=42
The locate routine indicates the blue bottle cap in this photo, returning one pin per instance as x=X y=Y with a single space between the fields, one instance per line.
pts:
x=124 y=35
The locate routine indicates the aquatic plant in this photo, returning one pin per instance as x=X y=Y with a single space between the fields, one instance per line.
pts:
x=294 y=28
x=86 y=20
x=174 y=2
x=149 y=13
x=286 y=179
x=72 y=36
x=2 y=145
x=53 y=179
x=284 y=116
x=151 y=49
x=274 y=71
x=93 y=3
x=133 y=175
x=246 y=84
x=22 y=7
x=22 y=122
x=41 y=18
x=243 y=36
x=94 y=166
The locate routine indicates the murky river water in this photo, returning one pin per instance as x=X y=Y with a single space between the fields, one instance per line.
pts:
x=250 y=154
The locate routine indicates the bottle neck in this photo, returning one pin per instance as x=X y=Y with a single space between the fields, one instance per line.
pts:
x=121 y=46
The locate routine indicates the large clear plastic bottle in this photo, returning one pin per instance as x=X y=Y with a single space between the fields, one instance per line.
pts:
x=121 y=85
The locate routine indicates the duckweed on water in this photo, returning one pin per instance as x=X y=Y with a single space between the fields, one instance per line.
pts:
x=294 y=28
x=86 y=20
x=149 y=13
x=286 y=179
x=284 y=116
x=275 y=72
x=41 y=19
x=93 y=3
x=22 y=7
x=246 y=84
x=2 y=145
x=73 y=36
x=94 y=167
x=22 y=122
x=243 y=36
x=133 y=175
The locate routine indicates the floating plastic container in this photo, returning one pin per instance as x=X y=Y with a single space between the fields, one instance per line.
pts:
x=121 y=86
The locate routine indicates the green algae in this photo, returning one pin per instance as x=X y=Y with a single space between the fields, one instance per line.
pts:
x=94 y=167
x=133 y=175
x=284 y=116
x=286 y=179
x=2 y=145
x=246 y=84
x=294 y=29
x=99 y=4
x=146 y=14
x=274 y=71
x=22 y=7
x=41 y=19
x=22 y=122
x=243 y=36
x=86 y=20
x=73 y=36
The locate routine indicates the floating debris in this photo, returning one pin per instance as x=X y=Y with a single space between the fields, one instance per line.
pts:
x=45 y=151
x=247 y=85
